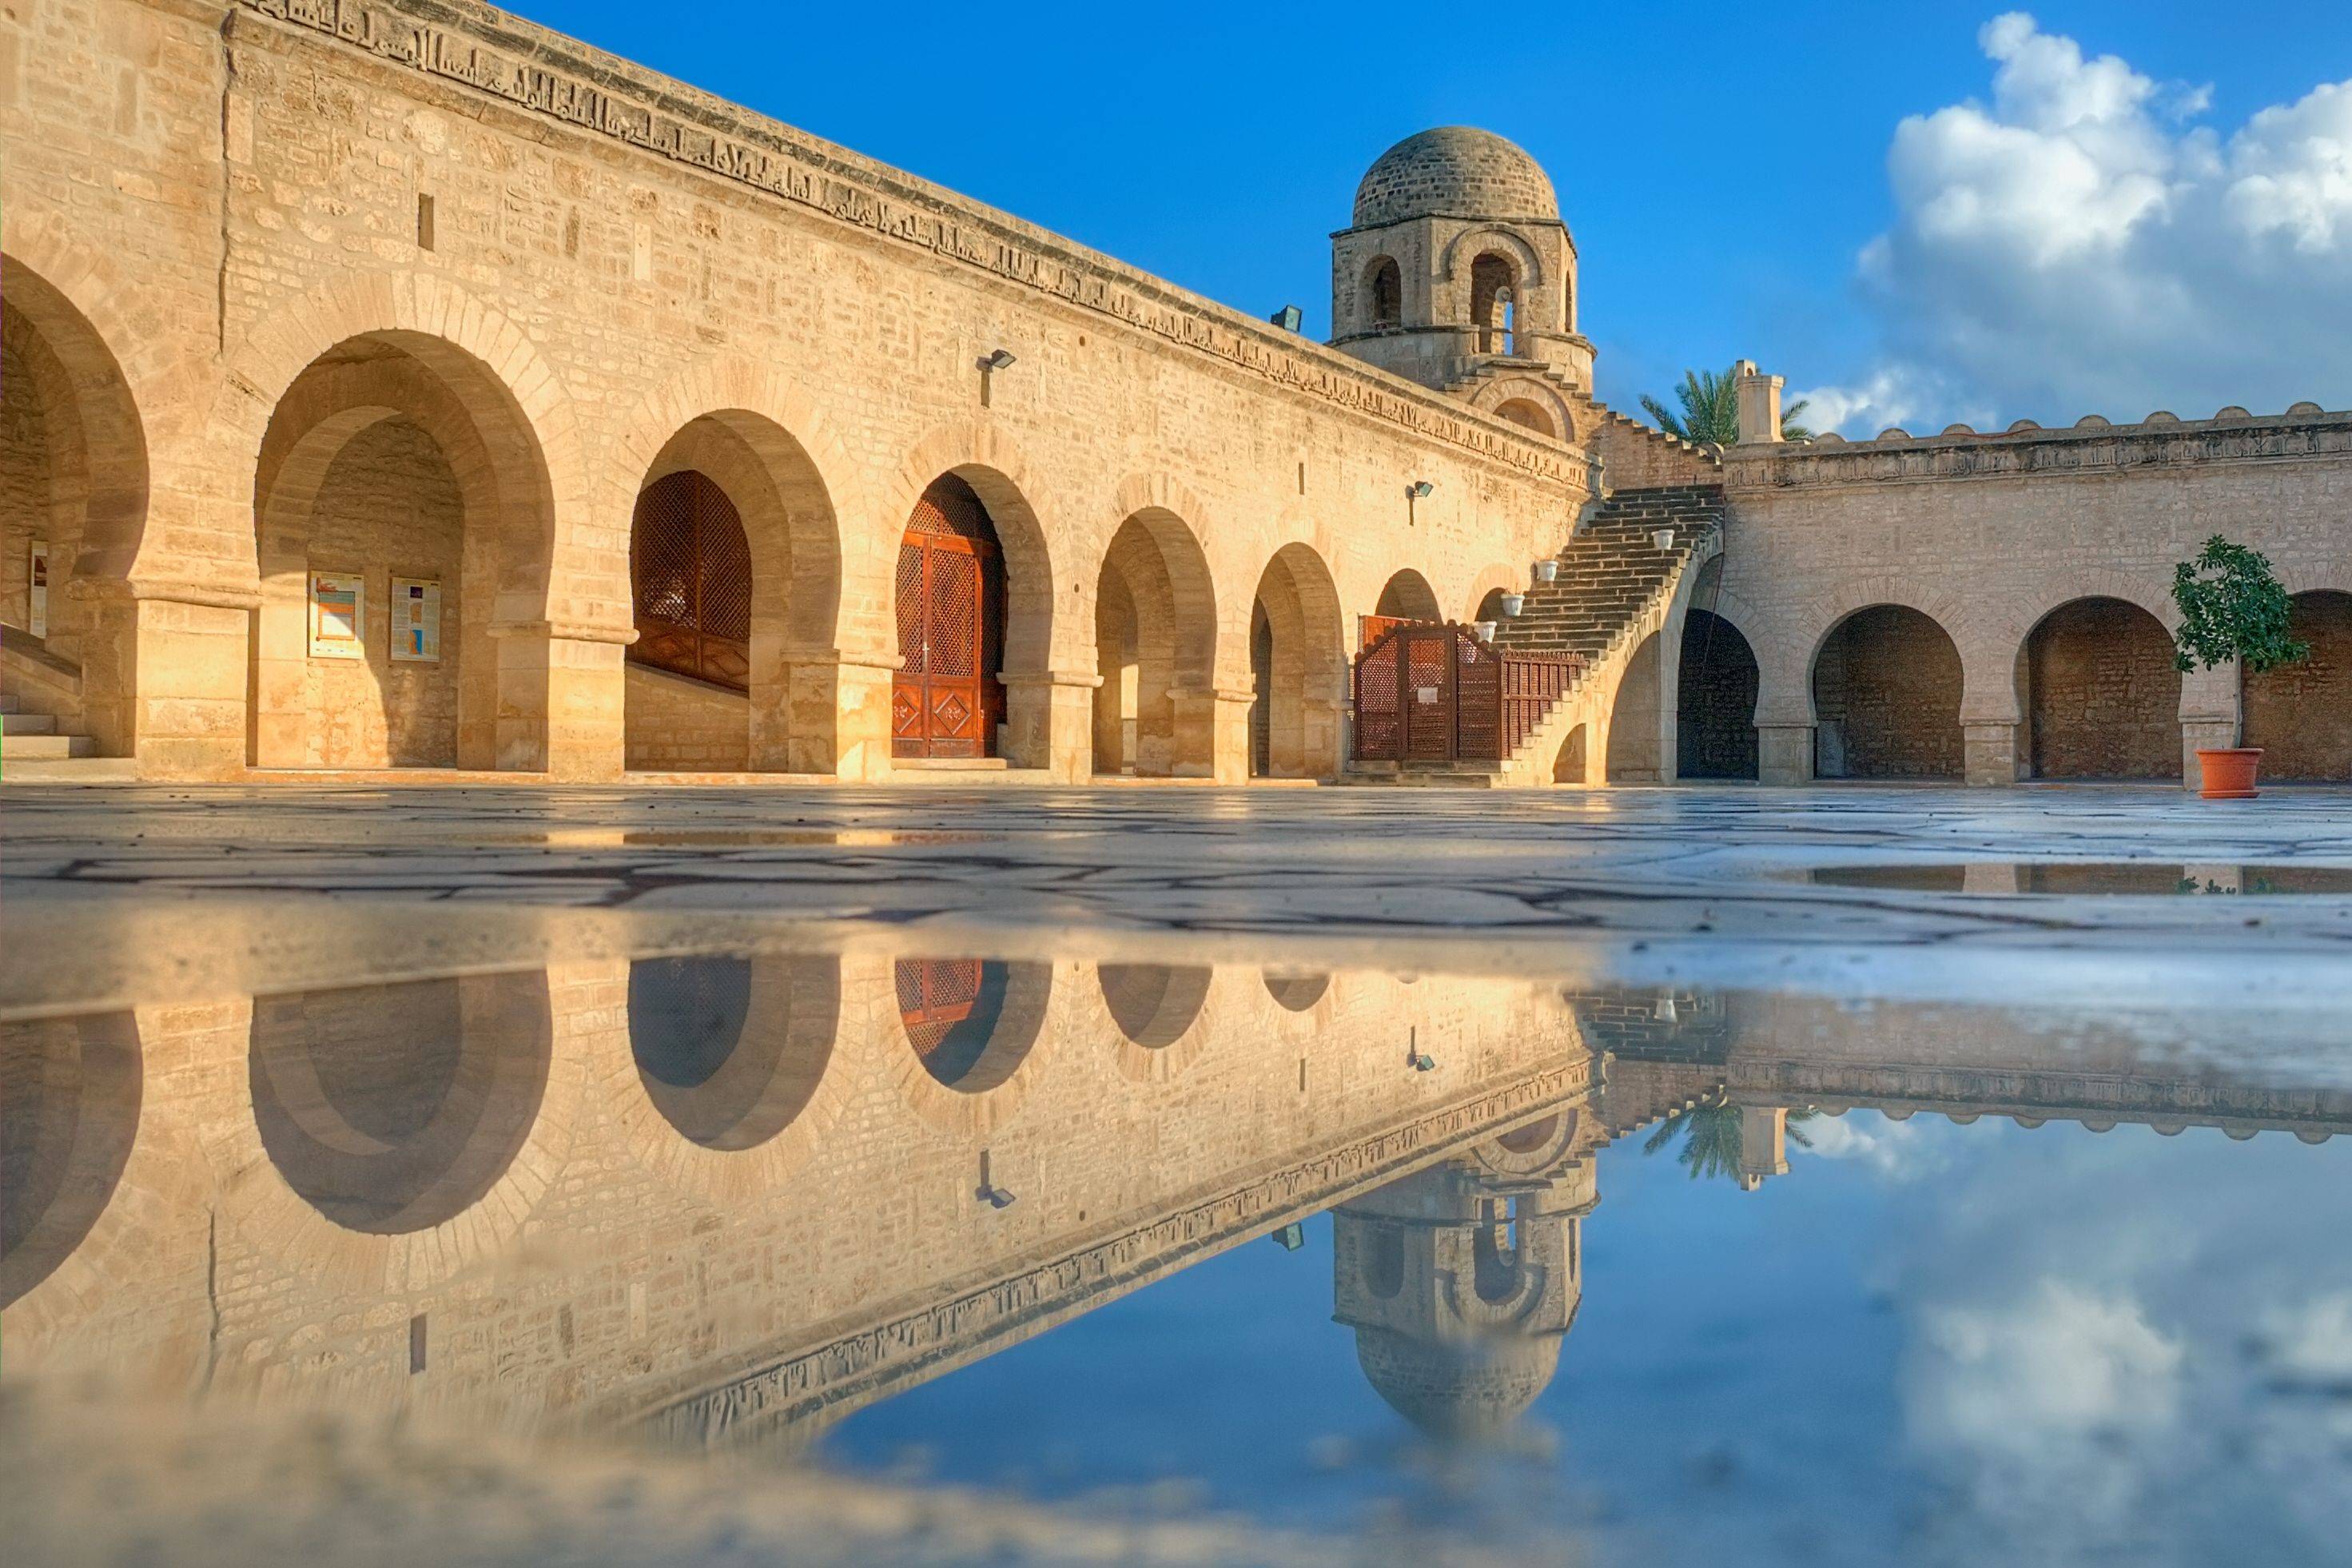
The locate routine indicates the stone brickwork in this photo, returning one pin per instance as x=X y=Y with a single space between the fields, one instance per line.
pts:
x=2302 y=715
x=239 y=235
x=2102 y=696
x=1886 y=698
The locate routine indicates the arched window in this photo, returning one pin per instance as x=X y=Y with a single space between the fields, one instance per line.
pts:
x=1387 y=290
x=690 y=568
x=1494 y=292
x=1523 y=411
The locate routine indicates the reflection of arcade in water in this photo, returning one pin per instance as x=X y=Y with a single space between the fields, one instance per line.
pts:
x=604 y=1194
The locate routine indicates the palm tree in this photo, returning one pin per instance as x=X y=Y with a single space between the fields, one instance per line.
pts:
x=1710 y=1136
x=1711 y=411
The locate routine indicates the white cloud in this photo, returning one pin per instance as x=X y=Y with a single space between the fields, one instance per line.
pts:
x=2035 y=1379
x=2311 y=1343
x=2074 y=245
x=1891 y=1148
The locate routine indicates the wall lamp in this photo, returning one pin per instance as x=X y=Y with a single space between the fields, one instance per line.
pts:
x=988 y=1191
x=1416 y=491
x=989 y=364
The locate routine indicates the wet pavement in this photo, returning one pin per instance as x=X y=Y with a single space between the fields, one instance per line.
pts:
x=1635 y=1176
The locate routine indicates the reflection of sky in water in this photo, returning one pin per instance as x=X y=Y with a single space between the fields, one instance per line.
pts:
x=1927 y=1341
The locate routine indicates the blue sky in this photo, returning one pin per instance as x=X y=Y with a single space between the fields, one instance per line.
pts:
x=2098 y=220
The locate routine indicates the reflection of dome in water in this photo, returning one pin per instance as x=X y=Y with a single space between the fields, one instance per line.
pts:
x=1466 y=1389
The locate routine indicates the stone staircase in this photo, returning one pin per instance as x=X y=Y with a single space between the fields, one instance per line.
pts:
x=1615 y=586
x=36 y=745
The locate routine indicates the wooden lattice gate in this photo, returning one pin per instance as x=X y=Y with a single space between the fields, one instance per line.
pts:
x=690 y=574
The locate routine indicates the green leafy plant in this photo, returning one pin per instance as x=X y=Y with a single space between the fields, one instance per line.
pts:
x=1711 y=411
x=2232 y=607
x=1710 y=1137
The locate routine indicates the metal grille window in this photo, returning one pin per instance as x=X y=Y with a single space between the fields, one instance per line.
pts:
x=690 y=571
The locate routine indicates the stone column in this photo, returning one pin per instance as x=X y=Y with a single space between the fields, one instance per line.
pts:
x=2210 y=717
x=1784 y=753
x=1989 y=751
x=1763 y=1149
x=832 y=716
x=1049 y=717
x=1324 y=725
x=563 y=703
x=1213 y=733
x=164 y=675
x=1759 y=404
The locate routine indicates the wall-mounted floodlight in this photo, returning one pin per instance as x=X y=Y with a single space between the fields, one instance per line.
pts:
x=1290 y=1238
x=988 y=1191
x=1420 y=488
x=989 y=364
x=1415 y=493
x=1289 y=318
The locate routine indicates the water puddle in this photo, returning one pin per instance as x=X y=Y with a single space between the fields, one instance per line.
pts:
x=2127 y=878
x=729 y=1256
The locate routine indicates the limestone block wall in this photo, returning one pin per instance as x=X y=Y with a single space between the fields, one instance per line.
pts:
x=1987 y=535
x=555 y=264
x=572 y=1236
x=676 y=725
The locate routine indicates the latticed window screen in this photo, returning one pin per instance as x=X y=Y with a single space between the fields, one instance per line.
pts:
x=935 y=994
x=690 y=570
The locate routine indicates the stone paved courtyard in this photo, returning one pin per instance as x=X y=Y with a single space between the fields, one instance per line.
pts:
x=129 y=892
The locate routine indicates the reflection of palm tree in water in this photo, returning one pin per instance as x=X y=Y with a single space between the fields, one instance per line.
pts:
x=1710 y=1137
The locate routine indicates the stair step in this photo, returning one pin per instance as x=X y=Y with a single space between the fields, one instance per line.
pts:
x=15 y=723
x=44 y=748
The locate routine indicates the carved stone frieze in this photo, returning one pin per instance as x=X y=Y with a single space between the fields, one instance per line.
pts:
x=2091 y=449
x=864 y=1363
x=543 y=73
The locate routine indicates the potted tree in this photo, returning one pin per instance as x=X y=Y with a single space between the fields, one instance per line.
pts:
x=2231 y=607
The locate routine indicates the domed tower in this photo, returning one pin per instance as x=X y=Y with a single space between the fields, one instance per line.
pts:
x=1457 y=260
x=1461 y=1280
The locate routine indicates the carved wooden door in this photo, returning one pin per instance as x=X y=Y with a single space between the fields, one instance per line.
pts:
x=946 y=699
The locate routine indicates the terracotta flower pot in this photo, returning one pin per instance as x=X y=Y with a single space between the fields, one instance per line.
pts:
x=2227 y=773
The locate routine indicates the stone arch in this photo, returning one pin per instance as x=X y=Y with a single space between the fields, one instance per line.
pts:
x=1497 y=296
x=70 y=1092
x=73 y=475
x=969 y=1029
x=762 y=442
x=1384 y=294
x=1407 y=596
x=1002 y=477
x=1156 y=643
x=1887 y=685
x=2099 y=693
x=1526 y=402
x=1569 y=765
x=1717 y=689
x=2300 y=715
x=1153 y=1005
x=395 y=1109
x=1635 y=734
x=1296 y=990
x=1487 y=586
x=1464 y=248
x=1298 y=667
x=414 y=350
x=729 y=1051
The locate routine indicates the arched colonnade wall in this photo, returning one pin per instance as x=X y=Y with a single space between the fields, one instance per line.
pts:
x=297 y=1199
x=500 y=312
x=2008 y=598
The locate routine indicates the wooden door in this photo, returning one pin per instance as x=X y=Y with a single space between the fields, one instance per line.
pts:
x=946 y=699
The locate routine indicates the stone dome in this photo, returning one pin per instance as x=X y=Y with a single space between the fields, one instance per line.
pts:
x=1458 y=170
x=1467 y=1389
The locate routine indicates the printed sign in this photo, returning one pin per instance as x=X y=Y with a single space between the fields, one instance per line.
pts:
x=416 y=620
x=37 y=581
x=337 y=611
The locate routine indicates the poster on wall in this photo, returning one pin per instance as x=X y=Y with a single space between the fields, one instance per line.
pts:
x=416 y=620
x=36 y=589
x=337 y=610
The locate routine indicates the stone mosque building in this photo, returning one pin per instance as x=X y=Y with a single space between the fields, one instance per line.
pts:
x=393 y=387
